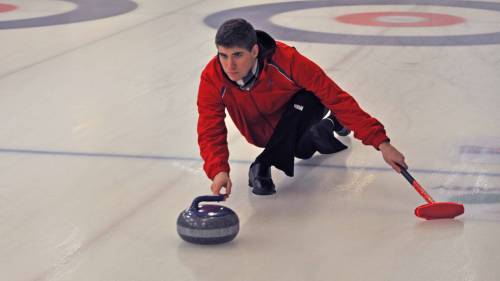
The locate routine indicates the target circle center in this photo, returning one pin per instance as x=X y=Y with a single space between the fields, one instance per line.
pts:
x=400 y=19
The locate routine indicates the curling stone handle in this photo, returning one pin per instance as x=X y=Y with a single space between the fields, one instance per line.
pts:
x=206 y=198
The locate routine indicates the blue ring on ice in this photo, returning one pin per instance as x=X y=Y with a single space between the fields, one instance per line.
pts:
x=86 y=10
x=260 y=15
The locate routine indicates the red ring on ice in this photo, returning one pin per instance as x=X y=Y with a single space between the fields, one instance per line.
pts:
x=7 y=8
x=413 y=19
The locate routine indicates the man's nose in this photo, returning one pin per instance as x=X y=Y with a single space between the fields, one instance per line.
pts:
x=232 y=63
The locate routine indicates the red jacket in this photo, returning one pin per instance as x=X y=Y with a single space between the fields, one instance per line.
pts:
x=282 y=72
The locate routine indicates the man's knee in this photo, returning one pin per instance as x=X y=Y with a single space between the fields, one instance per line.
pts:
x=305 y=100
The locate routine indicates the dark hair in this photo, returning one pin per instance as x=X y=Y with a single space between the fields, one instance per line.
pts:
x=236 y=33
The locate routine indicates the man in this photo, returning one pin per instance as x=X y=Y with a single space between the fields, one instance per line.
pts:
x=277 y=98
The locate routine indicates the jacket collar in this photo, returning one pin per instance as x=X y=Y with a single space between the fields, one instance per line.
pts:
x=267 y=45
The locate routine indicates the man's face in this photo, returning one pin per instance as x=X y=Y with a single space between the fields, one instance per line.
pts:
x=236 y=61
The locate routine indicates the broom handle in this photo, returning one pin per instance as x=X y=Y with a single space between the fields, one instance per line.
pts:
x=416 y=185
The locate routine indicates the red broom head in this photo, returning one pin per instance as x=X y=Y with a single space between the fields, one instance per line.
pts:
x=439 y=210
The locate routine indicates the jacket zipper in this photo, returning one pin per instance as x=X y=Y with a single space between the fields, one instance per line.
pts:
x=261 y=114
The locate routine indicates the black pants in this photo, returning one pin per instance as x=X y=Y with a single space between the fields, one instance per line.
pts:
x=292 y=137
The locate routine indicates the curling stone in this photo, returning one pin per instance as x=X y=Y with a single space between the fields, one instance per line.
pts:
x=208 y=224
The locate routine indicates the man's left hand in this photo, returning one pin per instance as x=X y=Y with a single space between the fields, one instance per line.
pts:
x=392 y=156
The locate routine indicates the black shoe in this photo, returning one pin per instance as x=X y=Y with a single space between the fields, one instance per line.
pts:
x=323 y=138
x=337 y=127
x=259 y=178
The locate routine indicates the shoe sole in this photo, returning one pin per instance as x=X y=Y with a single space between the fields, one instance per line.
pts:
x=260 y=191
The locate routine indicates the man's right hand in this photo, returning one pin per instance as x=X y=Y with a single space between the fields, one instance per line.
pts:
x=221 y=180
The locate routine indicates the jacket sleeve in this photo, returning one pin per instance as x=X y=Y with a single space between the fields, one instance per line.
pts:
x=212 y=131
x=311 y=77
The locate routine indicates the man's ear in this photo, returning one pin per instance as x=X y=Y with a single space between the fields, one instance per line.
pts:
x=255 y=51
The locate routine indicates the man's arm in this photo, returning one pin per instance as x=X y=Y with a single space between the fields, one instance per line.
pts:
x=212 y=135
x=346 y=109
x=366 y=128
